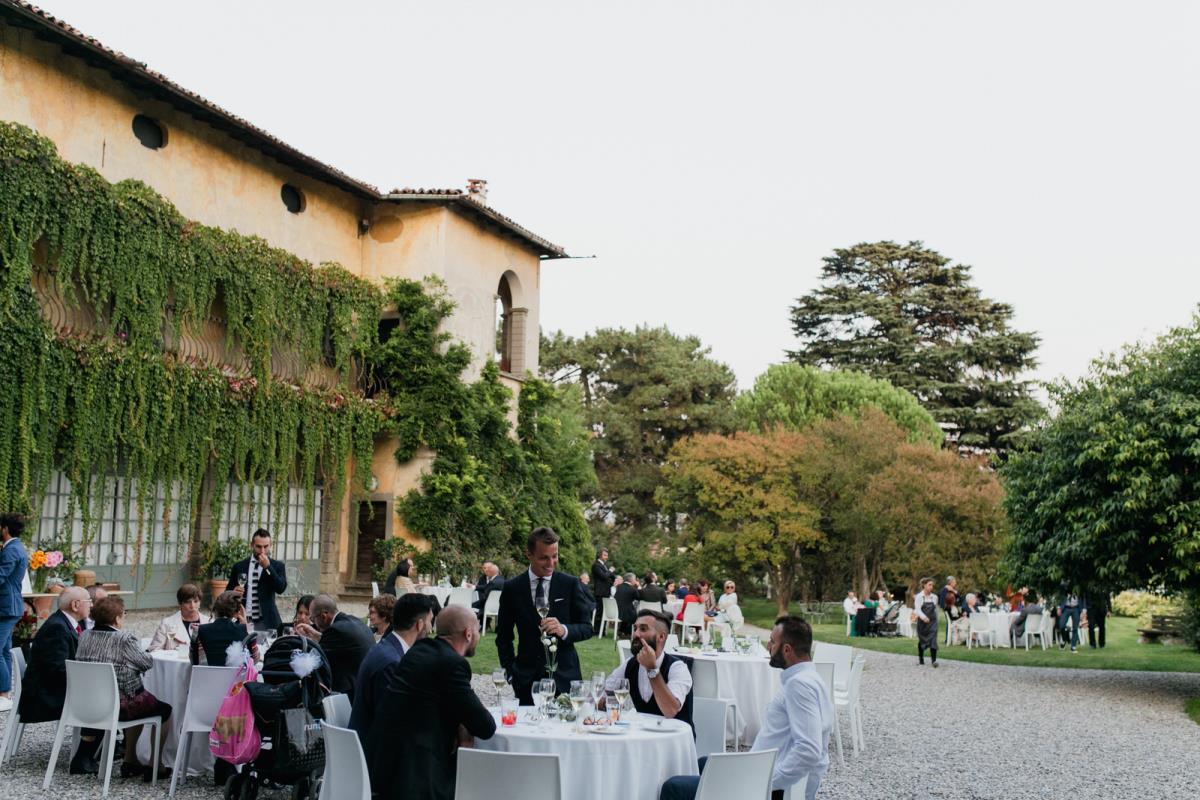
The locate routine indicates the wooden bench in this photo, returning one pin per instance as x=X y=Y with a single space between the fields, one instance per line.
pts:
x=1162 y=625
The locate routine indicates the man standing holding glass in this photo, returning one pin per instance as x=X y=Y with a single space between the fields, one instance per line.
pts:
x=257 y=580
x=542 y=603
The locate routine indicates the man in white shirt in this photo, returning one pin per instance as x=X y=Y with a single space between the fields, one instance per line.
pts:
x=659 y=683
x=797 y=723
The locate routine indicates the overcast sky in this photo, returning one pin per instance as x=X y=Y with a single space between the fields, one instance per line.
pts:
x=710 y=154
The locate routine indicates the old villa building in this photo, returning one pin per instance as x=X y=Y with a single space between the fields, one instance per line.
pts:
x=107 y=111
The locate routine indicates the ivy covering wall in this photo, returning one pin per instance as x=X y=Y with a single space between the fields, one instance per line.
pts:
x=114 y=397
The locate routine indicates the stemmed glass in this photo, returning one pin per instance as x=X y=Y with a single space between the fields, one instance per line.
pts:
x=499 y=680
x=542 y=606
x=545 y=692
x=598 y=679
x=578 y=694
x=622 y=694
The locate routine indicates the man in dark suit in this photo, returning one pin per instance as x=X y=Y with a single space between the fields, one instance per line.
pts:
x=568 y=620
x=650 y=591
x=45 y=685
x=603 y=578
x=490 y=581
x=257 y=580
x=346 y=641
x=412 y=619
x=1097 y=612
x=1032 y=606
x=426 y=712
x=626 y=594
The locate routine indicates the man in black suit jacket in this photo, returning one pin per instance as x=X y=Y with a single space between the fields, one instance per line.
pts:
x=45 y=685
x=346 y=641
x=603 y=579
x=568 y=621
x=427 y=706
x=265 y=577
x=490 y=581
x=626 y=594
x=651 y=592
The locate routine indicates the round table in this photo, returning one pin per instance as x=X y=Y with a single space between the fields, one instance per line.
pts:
x=749 y=680
x=1001 y=623
x=442 y=593
x=631 y=766
x=168 y=681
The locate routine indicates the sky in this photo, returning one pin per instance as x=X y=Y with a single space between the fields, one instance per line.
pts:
x=709 y=155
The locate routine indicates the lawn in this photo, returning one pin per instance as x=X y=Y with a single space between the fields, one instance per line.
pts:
x=594 y=654
x=1122 y=649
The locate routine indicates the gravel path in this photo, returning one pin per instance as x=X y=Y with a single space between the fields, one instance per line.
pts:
x=994 y=732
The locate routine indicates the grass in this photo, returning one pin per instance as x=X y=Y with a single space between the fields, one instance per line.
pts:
x=1122 y=651
x=1193 y=709
x=594 y=654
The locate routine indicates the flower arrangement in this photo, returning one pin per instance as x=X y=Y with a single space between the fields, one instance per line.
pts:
x=550 y=643
x=45 y=563
x=25 y=628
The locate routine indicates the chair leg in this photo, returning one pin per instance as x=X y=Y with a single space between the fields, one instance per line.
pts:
x=837 y=737
x=185 y=738
x=6 y=744
x=58 y=740
x=156 y=732
x=110 y=750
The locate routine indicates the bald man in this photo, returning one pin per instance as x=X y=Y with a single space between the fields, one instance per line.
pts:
x=45 y=687
x=430 y=689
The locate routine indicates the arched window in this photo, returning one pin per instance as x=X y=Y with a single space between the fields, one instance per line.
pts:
x=504 y=306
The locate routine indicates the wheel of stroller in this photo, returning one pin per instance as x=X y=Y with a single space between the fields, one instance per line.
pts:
x=302 y=789
x=233 y=786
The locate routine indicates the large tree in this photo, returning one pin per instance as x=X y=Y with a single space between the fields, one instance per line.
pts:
x=796 y=397
x=1108 y=494
x=905 y=314
x=643 y=391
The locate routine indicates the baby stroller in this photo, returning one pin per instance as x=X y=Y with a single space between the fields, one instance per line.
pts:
x=287 y=712
x=887 y=624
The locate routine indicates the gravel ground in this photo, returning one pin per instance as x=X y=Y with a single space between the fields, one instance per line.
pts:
x=992 y=732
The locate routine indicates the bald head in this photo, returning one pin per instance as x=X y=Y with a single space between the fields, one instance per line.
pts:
x=322 y=610
x=459 y=627
x=75 y=601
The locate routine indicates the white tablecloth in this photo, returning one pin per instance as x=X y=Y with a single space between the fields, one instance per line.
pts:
x=631 y=766
x=168 y=681
x=1001 y=623
x=442 y=593
x=904 y=625
x=750 y=681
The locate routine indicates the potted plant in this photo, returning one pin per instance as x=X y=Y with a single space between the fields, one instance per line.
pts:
x=219 y=560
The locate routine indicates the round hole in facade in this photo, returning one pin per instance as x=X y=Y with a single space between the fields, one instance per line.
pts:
x=150 y=132
x=292 y=198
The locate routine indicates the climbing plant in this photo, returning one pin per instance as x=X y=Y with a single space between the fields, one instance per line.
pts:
x=115 y=397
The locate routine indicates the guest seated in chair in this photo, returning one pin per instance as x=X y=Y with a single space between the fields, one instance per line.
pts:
x=172 y=632
x=659 y=683
x=345 y=640
x=211 y=645
x=1032 y=606
x=379 y=614
x=626 y=594
x=109 y=643
x=412 y=619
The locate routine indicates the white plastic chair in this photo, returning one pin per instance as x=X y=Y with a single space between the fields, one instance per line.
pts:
x=610 y=616
x=346 y=776
x=710 y=717
x=693 y=617
x=734 y=617
x=729 y=775
x=491 y=609
x=849 y=624
x=460 y=596
x=624 y=650
x=649 y=605
x=337 y=709
x=93 y=702
x=1033 y=627
x=849 y=700
x=841 y=656
x=826 y=669
x=15 y=729
x=979 y=627
x=207 y=688
x=706 y=682
x=374 y=589
x=480 y=772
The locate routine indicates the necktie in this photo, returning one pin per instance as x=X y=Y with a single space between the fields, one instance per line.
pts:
x=78 y=627
x=539 y=594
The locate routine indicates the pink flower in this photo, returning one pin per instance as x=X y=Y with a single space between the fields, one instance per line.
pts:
x=54 y=558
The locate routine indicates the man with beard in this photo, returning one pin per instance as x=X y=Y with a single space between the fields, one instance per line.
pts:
x=659 y=683
x=427 y=711
x=798 y=721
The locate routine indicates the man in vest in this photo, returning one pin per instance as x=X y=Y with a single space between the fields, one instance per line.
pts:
x=659 y=683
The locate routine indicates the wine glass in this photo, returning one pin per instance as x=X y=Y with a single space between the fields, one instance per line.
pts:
x=499 y=680
x=622 y=693
x=577 y=695
x=598 y=679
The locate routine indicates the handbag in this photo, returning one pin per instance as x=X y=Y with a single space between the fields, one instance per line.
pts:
x=299 y=742
x=234 y=737
x=137 y=706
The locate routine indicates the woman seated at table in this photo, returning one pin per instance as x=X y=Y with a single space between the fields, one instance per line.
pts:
x=399 y=578
x=687 y=600
x=706 y=596
x=173 y=630
x=109 y=643
x=228 y=626
x=302 y=616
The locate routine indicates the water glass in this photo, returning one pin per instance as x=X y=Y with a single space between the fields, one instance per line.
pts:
x=508 y=710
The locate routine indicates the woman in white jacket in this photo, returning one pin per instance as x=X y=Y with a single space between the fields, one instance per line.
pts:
x=173 y=630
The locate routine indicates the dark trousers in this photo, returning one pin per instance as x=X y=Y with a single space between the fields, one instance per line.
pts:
x=1096 y=627
x=1072 y=614
x=921 y=653
x=683 y=787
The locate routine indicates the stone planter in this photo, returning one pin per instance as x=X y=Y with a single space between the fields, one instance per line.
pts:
x=215 y=587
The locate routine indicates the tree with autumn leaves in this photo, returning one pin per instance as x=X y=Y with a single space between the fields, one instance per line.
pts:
x=852 y=487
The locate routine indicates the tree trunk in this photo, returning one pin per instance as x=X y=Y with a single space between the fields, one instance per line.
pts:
x=784 y=579
x=862 y=577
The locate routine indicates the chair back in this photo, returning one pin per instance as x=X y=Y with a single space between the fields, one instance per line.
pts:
x=734 y=614
x=460 y=596
x=840 y=656
x=705 y=682
x=18 y=677
x=539 y=776
x=708 y=717
x=492 y=604
x=346 y=776
x=374 y=589
x=855 y=683
x=610 y=608
x=1033 y=623
x=649 y=605
x=729 y=775
x=825 y=670
x=207 y=688
x=337 y=709
x=694 y=614
x=980 y=623
x=92 y=699
x=624 y=650
x=18 y=662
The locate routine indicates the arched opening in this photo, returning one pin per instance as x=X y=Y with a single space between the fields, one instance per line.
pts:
x=503 y=320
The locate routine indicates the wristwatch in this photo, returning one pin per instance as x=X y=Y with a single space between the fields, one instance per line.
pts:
x=652 y=673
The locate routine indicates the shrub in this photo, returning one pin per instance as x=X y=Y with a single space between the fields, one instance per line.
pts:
x=1141 y=605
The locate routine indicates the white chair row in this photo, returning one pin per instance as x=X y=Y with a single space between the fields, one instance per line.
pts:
x=693 y=617
x=841 y=669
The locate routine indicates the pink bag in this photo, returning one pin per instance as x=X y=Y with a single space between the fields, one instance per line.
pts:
x=234 y=738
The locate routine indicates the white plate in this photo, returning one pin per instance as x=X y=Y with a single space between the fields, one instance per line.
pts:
x=657 y=728
x=609 y=730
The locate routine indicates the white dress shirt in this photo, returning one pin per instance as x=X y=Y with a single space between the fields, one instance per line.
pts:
x=798 y=723
x=533 y=581
x=921 y=600
x=679 y=680
x=850 y=607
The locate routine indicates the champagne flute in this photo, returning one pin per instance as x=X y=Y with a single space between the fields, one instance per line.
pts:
x=542 y=606
x=598 y=679
x=499 y=680
x=622 y=692
x=577 y=695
